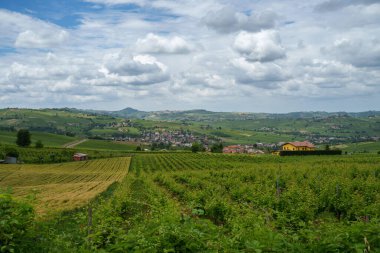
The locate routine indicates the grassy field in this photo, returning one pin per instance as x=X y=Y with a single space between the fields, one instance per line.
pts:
x=62 y=186
x=361 y=147
x=48 y=139
x=106 y=145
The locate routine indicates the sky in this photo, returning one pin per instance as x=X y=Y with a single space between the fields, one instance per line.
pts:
x=220 y=55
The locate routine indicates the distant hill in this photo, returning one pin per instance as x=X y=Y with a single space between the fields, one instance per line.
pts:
x=204 y=115
x=230 y=127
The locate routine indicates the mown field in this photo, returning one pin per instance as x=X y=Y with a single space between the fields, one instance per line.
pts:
x=48 y=139
x=106 y=145
x=62 y=186
x=228 y=203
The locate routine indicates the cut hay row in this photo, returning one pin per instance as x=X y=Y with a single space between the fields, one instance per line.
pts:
x=58 y=187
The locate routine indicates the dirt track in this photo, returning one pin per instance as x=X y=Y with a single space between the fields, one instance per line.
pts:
x=73 y=144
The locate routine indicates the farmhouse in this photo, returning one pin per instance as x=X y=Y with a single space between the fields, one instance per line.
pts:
x=298 y=146
x=80 y=157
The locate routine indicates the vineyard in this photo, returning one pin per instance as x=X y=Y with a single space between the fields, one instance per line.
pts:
x=64 y=186
x=206 y=202
x=188 y=202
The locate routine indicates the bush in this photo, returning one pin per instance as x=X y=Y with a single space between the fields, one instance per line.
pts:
x=39 y=144
x=16 y=219
x=197 y=147
x=217 y=148
x=12 y=152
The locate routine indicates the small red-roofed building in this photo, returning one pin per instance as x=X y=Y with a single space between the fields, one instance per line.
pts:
x=80 y=157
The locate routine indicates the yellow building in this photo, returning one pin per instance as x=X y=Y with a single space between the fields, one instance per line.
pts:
x=298 y=146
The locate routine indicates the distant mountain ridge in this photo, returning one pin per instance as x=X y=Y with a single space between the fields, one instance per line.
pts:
x=205 y=115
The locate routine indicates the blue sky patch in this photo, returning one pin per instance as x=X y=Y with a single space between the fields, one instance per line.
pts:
x=63 y=13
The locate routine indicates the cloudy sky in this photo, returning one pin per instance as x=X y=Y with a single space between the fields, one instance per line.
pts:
x=221 y=55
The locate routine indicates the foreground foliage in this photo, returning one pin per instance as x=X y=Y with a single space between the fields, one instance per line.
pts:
x=227 y=203
x=16 y=220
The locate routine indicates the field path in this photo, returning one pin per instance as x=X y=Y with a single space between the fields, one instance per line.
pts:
x=73 y=144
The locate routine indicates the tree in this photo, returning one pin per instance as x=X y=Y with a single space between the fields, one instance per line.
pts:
x=327 y=147
x=196 y=147
x=23 y=138
x=217 y=148
x=39 y=144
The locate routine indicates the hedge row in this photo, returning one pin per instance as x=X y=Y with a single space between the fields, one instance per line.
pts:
x=314 y=152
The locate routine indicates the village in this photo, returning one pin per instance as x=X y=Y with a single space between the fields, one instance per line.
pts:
x=183 y=138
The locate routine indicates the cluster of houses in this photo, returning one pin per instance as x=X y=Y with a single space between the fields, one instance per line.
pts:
x=178 y=138
x=241 y=149
x=252 y=149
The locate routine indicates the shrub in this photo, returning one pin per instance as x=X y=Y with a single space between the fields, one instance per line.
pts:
x=16 y=219
x=9 y=151
x=197 y=147
x=39 y=144
x=217 y=148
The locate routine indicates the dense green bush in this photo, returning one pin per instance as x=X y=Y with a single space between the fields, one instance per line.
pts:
x=9 y=151
x=39 y=144
x=16 y=219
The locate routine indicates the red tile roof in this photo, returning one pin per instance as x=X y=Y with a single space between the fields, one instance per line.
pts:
x=301 y=144
x=234 y=146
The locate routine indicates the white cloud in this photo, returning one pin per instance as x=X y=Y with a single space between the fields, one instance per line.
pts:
x=262 y=75
x=31 y=39
x=262 y=51
x=153 y=43
x=20 y=30
x=264 y=46
x=358 y=52
x=333 y=5
x=205 y=80
x=136 y=70
x=228 y=20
